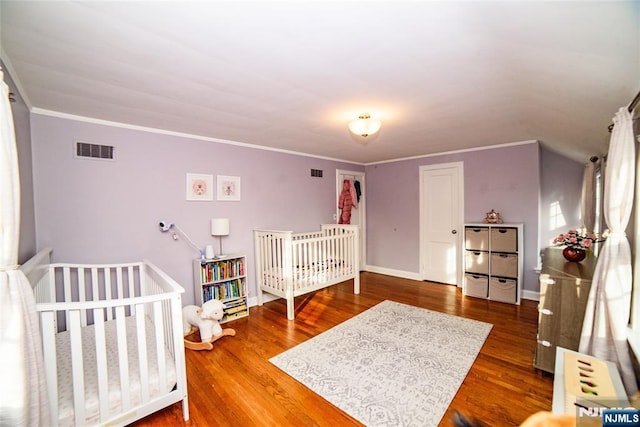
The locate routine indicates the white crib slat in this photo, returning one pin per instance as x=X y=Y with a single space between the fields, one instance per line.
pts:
x=106 y=272
x=273 y=264
x=95 y=289
x=48 y=331
x=75 y=333
x=159 y=327
x=257 y=243
x=119 y=288
x=142 y=352
x=144 y=283
x=132 y=281
x=121 y=332
x=101 y=362
x=81 y=295
x=175 y=314
x=289 y=272
x=316 y=259
x=275 y=260
x=272 y=259
x=66 y=280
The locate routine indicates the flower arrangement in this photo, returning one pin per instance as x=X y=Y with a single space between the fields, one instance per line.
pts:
x=576 y=239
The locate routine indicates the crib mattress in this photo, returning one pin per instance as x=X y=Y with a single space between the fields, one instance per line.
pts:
x=307 y=275
x=65 y=382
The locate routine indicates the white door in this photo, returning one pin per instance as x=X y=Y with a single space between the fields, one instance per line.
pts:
x=441 y=222
x=358 y=216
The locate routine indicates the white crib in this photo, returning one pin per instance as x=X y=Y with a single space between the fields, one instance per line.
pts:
x=112 y=340
x=292 y=264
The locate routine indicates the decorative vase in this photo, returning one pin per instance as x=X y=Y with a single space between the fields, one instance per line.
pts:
x=574 y=255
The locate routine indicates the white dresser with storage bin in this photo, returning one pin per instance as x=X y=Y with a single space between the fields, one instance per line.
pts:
x=493 y=261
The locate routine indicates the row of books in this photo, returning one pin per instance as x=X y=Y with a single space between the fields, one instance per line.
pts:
x=235 y=309
x=222 y=270
x=222 y=291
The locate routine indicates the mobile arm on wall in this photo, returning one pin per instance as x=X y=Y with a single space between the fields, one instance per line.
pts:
x=173 y=229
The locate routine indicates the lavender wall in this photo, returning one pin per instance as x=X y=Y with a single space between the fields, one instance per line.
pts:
x=102 y=211
x=21 y=120
x=561 y=182
x=506 y=179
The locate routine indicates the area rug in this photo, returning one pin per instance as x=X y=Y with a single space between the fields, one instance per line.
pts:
x=392 y=365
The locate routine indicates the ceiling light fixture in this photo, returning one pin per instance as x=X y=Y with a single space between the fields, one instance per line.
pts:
x=365 y=125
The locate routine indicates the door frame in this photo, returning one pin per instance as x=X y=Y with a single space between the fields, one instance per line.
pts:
x=459 y=166
x=362 y=210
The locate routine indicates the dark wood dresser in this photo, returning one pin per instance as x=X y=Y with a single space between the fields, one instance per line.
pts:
x=564 y=291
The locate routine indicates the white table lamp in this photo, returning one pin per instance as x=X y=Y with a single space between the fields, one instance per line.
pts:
x=220 y=227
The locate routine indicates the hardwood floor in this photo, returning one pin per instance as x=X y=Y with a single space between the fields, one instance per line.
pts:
x=235 y=385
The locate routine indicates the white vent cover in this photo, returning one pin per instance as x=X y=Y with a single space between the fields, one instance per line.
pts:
x=95 y=151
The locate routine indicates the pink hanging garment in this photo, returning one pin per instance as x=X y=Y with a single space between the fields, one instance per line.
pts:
x=345 y=202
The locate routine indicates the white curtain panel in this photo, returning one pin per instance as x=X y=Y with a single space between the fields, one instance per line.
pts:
x=604 y=331
x=23 y=399
x=589 y=197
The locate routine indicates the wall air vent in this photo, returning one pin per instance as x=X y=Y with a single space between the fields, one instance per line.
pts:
x=316 y=173
x=95 y=151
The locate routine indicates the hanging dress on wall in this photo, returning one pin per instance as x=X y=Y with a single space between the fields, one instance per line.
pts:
x=347 y=201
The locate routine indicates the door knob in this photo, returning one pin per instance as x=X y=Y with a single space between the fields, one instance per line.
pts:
x=454 y=231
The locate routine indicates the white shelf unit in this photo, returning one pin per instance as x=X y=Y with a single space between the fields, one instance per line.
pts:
x=224 y=279
x=493 y=261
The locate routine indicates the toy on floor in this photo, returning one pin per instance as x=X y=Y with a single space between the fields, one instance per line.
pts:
x=206 y=320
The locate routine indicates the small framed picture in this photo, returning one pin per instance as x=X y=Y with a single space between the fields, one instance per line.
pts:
x=199 y=186
x=228 y=188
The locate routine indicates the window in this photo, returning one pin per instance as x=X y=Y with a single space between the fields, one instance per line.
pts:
x=556 y=218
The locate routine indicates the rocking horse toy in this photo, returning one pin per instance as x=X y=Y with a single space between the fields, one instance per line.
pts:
x=206 y=320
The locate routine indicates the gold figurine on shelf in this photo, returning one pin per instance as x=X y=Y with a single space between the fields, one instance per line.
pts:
x=493 y=217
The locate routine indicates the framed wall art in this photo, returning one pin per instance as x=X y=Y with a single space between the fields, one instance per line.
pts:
x=199 y=186
x=228 y=188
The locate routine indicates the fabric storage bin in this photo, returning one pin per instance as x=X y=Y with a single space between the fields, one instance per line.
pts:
x=504 y=265
x=477 y=262
x=476 y=285
x=504 y=239
x=476 y=238
x=502 y=289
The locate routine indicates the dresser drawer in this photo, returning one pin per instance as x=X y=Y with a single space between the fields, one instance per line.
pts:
x=501 y=289
x=477 y=262
x=504 y=265
x=476 y=238
x=504 y=239
x=476 y=285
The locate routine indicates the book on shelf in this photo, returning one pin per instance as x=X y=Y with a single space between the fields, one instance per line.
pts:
x=236 y=309
x=235 y=315
x=224 y=290
x=214 y=271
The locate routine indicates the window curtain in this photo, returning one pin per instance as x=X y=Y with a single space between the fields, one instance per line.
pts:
x=23 y=399
x=589 y=197
x=604 y=331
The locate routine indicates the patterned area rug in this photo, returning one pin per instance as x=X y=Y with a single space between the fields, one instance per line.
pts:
x=392 y=365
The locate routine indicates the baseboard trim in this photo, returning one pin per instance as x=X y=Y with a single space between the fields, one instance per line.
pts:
x=391 y=272
x=532 y=295
x=266 y=297
x=253 y=301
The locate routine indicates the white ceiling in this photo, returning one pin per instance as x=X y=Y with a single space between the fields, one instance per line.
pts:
x=442 y=76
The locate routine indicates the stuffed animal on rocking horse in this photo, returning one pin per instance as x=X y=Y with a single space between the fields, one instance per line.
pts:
x=206 y=320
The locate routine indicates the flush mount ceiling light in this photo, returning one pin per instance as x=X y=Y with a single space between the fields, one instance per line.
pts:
x=365 y=125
